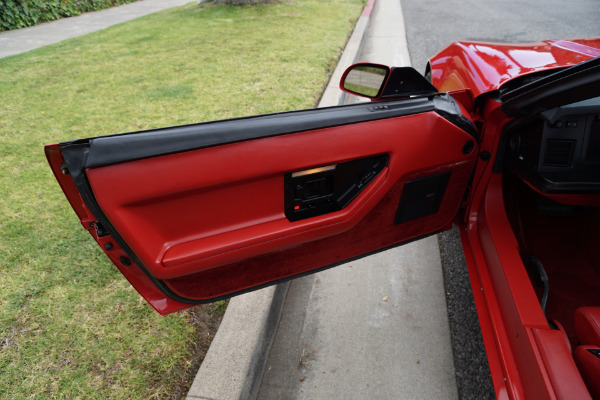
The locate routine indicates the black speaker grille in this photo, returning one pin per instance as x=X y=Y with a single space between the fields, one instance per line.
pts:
x=559 y=153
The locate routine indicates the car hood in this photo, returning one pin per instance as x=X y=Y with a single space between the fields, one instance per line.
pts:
x=484 y=67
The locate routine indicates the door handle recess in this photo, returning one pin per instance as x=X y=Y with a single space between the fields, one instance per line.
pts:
x=321 y=190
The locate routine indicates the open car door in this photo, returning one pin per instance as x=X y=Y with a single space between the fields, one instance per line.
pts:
x=194 y=213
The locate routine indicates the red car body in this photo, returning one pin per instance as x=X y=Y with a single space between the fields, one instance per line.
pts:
x=485 y=67
x=527 y=358
x=195 y=213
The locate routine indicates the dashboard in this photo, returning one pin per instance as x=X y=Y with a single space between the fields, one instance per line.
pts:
x=559 y=151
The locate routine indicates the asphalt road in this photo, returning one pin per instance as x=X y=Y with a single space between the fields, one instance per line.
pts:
x=430 y=26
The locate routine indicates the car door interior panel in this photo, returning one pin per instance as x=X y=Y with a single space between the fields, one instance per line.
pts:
x=241 y=212
x=210 y=207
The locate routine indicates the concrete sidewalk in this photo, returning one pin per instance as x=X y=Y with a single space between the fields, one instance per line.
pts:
x=376 y=328
x=372 y=329
x=21 y=40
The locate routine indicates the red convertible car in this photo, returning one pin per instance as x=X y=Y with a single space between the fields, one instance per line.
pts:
x=501 y=140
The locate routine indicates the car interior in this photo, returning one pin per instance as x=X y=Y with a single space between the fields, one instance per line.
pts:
x=551 y=182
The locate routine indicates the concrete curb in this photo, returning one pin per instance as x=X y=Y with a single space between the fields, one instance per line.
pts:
x=235 y=362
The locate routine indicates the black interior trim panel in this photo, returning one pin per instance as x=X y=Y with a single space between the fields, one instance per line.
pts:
x=330 y=188
x=558 y=152
x=114 y=149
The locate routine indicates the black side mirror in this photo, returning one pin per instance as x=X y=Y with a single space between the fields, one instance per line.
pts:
x=379 y=82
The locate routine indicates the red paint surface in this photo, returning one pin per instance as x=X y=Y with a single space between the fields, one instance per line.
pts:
x=527 y=359
x=483 y=67
x=368 y=8
x=523 y=351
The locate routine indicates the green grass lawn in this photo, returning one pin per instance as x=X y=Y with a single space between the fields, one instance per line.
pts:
x=70 y=325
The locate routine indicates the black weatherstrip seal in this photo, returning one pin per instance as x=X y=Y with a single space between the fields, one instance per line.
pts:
x=107 y=150
x=75 y=155
x=566 y=86
x=114 y=149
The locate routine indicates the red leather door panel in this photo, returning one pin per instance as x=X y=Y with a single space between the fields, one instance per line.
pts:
x=204 y=223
